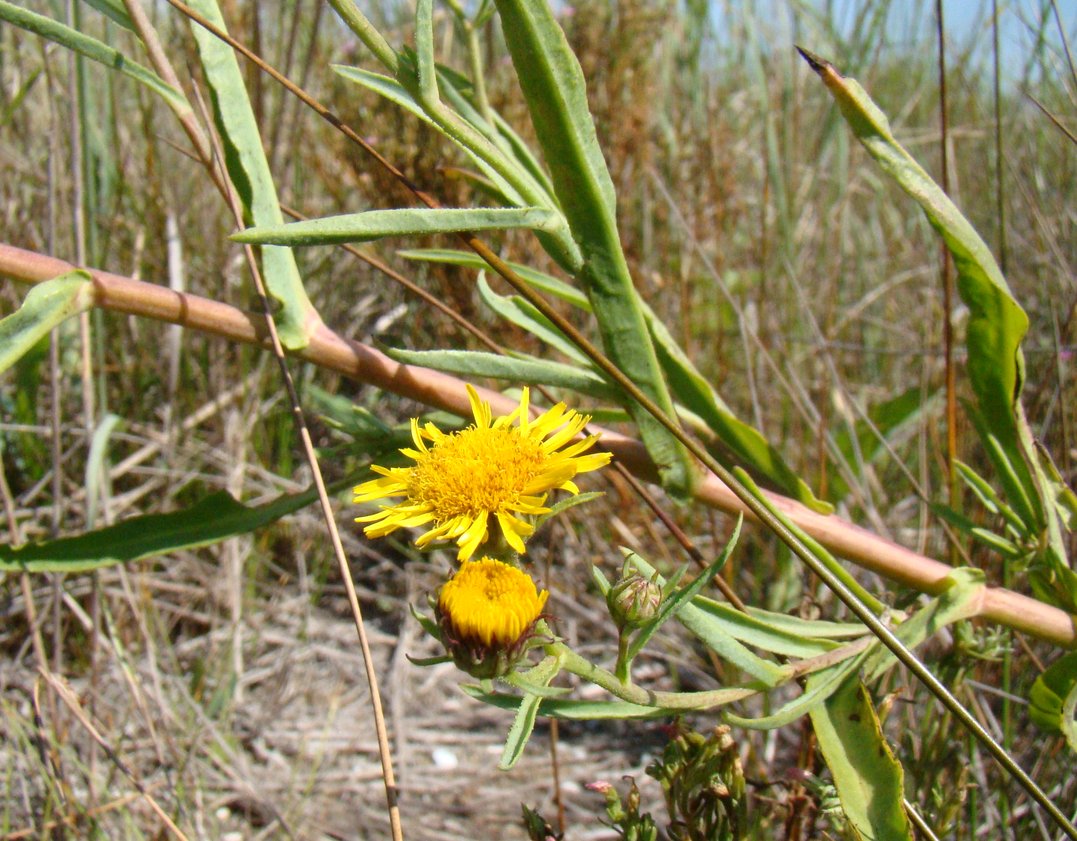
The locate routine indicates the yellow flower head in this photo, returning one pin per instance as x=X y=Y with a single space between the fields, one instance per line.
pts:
x=489 y=604
x=501 y=468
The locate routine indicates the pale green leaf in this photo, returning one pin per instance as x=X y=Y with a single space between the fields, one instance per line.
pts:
x=715 y=635
x=817 y=688
x=248 y=169
x=554 y=88
x=378 y=224
x=531 y=371
x=516 y=310
x=569 y=709
x=45 y=306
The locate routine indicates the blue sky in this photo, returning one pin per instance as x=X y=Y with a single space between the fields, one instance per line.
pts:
x=911 y=24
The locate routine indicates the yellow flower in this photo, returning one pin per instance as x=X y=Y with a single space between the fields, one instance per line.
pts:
x=487 y=613
x=501 y=468
x=490 y=603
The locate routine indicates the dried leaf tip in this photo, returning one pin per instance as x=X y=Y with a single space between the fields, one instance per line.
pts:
x=817 y=63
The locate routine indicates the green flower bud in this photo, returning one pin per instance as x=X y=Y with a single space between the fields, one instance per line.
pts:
x=633 y=601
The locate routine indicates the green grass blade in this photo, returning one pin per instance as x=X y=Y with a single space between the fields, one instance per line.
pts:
x=377 y=224
x=249 y=171
x=869 y=778
x=211 y=520
x=72 y=39
x=553 y=85
x=45 y=306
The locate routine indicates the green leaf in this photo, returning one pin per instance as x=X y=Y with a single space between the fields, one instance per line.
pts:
x=248 y=169
x=114 y=10
x=524 y=723
x=553 y=85
x=213 y=519
x=986 y=494
x=393 y=91
x=15 y=102
x=817 y=688
x=93 y=49
x=378 y=224
x=569 y=709
x=792 y=638
x=985 y=536
x=961 y=599
x=1053 y=698
x=869 y=779
x=520 y=732
x=472 y=364
x=564 y=504
x=426 y=623
x=516 y=310
x=811 y=628
x=996 y=325
x=745 y=442
x=45 y=306
x=540 y=280
x=715 y=635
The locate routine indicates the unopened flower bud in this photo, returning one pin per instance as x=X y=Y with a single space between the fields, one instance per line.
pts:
x=633 y=601
x=487 y=614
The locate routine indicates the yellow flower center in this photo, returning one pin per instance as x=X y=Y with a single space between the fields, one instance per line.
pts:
x=490 y=602
x=476 y=469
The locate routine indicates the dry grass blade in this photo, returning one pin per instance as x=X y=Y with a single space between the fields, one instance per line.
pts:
x=63 y=691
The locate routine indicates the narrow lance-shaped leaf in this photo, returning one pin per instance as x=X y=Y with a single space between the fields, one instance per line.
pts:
x=473 y=364
x=214 y=518
x=45 y=306
x=524 y=723
x=996 y=324
x=553 y=85
x=249 y=171
x=715 y=635
x=377 y=224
